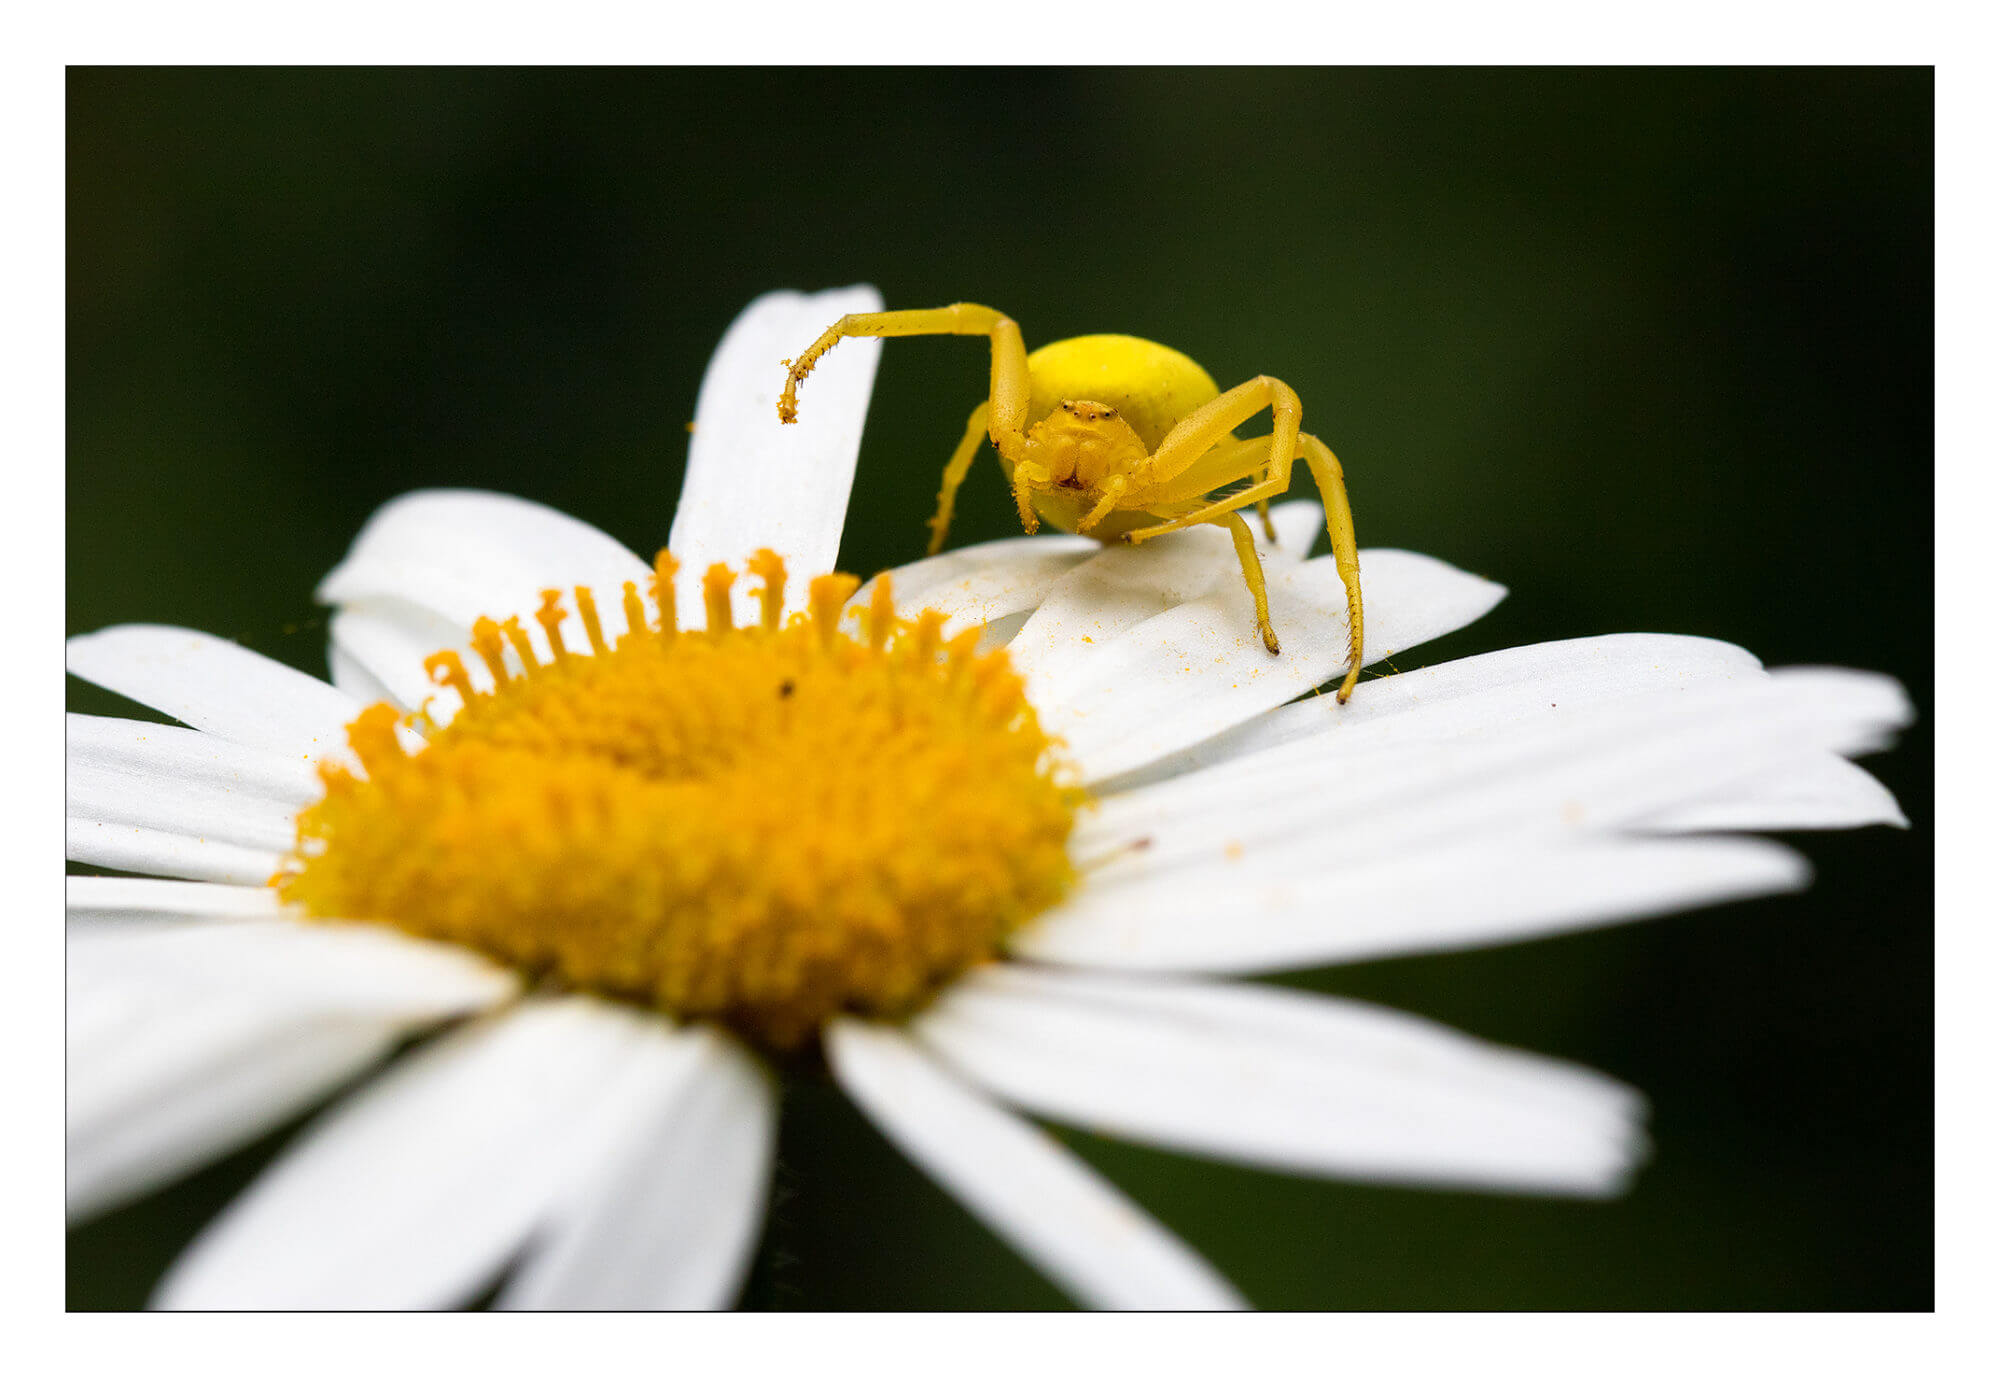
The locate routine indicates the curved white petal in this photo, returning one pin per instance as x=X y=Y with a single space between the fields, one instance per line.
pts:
x=344 y=968
x=176 y=780
x=1087 y=1236
x=415 y=1192
x=753 y=482
x=1285 y=1080
x=1298 y=525
x=1824 y=791
x=356 y=680
x=185 y=1041
x=1001 y=630
x=1116 y=590
x=219 y=687
x=148 y=851
x=1251 y=917
x=130 y=897
x=1330 y=801
x=1122 y=586
x=671 y=1218
x=217 y=1078
x=156 y=753
x=984 y=584
x=389 y=640
x=461 y=554
x=1498 y=692
x=1183 y=676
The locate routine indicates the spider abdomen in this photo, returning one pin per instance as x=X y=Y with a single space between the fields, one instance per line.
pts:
x=1150 y=386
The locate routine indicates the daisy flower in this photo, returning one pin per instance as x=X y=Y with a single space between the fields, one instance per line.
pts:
x=990 y=835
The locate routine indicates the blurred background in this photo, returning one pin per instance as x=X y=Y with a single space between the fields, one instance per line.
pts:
x=1651 y=348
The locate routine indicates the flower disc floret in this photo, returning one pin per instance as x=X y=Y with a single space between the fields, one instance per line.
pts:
x=763 y=825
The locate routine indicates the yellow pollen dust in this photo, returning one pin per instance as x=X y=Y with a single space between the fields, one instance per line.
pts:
x=762 y=825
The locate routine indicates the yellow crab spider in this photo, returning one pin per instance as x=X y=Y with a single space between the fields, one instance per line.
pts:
x=1123 y=439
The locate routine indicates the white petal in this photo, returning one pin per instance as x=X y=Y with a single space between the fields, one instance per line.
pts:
x=753 y=482
x=175 y=780
x=219 y=687
x=1817 y=792
x=1494 y=693
x=126 y=897
x=1199 y=669
x=459 y=555
x=1298 y=525
x=1119 y=588
x=216 y=1078
x=999 y=584
x=316 y=967
x=414 y=1192
x=390 y=641
x=124 y=847
x=1330 y=802
x=984 y=584
x=670 y=1221
x=1122 y=586
x=186 y=1041
x=1087 y=1236
x=1246 y=918
x=1285 y=1080
x=1001 y=630
x=155 y=753
x=1125 y=587
x=356 y=680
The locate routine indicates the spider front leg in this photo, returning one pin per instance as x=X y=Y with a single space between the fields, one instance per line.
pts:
x=1027 y=476
x=1007 y=400
x=1114 y=495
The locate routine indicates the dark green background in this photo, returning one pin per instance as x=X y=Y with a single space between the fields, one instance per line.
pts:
x=1652 y=348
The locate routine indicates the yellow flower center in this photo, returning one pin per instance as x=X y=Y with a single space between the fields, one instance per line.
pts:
x=762 y=825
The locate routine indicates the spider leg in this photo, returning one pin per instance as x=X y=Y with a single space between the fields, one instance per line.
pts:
x=1174 y=472
x=1026 y=474
x=1253 y=573
x=1227 y=463
x=1261 y=492
x=1223 y=465
x=1114 y=496
x=954 y=474
x=1340 y=527
x=1339 y=523
x=1182 y=466
x=1208 y=425
x=1007 y=399
x=1251 y=561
